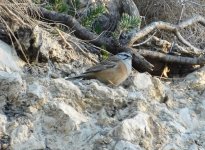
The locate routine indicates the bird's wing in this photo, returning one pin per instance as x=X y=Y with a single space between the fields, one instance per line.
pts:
x=106 y=64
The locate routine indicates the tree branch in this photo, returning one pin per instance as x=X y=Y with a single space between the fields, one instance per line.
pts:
x=170 y=27
x=170 y=58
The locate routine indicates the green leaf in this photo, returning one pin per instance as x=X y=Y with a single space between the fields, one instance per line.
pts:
x=92 y=14
x=126 y=24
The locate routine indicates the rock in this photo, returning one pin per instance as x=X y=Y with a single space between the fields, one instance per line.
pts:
x=11 y=85
x=134 y=130
x=151 y=87
x=126 y=145
x=53 y=49
x=3 y=122
x=171 y=146
x=142 y=81
x=19 y=135
x=9 y=61
x=64 y=88
x=158 y=92
x=201 y=109
x=196 y=80
x=37 y=97
x=41 y=112
x=62 y=117
x=133 y=96
x=187 y=120
x=98 y=94
x=23 y=138
x=4 y=141
x=193 y=147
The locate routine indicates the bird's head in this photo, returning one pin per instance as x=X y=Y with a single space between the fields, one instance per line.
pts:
x=124 y=56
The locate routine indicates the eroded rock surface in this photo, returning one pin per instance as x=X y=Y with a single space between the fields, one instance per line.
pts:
x=41 y=112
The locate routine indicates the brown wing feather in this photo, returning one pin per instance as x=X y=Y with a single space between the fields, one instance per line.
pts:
x=105 y=64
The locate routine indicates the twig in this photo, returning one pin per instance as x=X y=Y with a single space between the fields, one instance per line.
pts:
x=182 y=11
x=16 y=17
x=17 y=41
x=59 y=32
x=185 y=42
x=84 y=53
x=195 y=3
x=175 y=47
x=170 y=27
x=147 y=40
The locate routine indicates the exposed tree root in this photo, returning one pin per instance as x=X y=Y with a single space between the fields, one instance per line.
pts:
x=171 y=28
x=171 y=58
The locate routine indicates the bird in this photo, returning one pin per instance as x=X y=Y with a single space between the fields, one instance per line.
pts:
x=113 y=70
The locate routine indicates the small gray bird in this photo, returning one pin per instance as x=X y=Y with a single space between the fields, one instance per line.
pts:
x=113 y=70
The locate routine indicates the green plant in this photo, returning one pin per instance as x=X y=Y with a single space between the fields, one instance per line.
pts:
x=92 y=14
x=126 y=24
x=97 y=27
x=57 y=5
x=105 y=54
x=36 y=1
x=73 y=7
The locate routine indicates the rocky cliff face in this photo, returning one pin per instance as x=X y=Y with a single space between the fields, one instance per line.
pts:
x=40 y=112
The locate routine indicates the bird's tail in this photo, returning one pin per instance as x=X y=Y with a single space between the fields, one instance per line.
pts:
x=75 y=77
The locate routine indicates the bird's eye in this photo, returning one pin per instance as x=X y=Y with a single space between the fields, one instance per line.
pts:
x=127 y=55
x=124 y=55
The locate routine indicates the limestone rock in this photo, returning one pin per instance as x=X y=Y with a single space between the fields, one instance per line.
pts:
x=135 y=130
x=66 y=91
x=40 y=112
x=39 y=93
x=126 y=145
x=9 y=61
x=142 y=81
x=152 y=87
x=3 y=122
x=196 y=80
x=24 y=137
x=11 y=84
x=62 y=117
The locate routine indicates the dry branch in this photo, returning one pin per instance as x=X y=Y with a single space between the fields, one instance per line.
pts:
x=176 y=48
x=170 y=27
x=80 y=31
x=170 y=58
